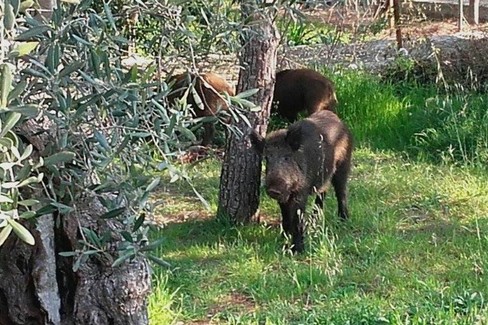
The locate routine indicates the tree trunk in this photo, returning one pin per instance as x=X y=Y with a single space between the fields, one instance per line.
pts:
x=241 y=169
x=38 y=286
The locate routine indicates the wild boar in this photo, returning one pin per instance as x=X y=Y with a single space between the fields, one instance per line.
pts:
x=210 y=88
x=298 y=90
x=302 y=160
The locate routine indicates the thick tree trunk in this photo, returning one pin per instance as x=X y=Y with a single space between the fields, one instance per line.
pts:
x=241 y=170
x=38 y=286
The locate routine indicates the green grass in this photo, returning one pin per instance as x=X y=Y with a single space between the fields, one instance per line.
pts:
x=414 y=251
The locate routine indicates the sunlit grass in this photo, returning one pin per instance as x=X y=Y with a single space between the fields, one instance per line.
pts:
x=414 y=251
x=416 y=242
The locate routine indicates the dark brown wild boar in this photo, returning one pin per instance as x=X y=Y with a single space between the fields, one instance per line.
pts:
x=299 y=90
x=210 y=87
x=302 y=160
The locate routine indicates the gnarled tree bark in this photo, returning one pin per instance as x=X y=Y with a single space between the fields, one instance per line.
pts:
x=38 y=286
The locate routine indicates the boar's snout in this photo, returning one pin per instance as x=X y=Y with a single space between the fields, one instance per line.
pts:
x=278 y=191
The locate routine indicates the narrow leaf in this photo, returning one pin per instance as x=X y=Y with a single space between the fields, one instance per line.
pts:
x=139 y=222
x=5 y=233
x=33 y=32
x=155 y=244
x=102 y=140
x=60 y=157
x=7 y=165
x=153 y=184
x=46 y=210
x=27 y=215
x=63 y=208
x=24 y=5
x=22 y=232
x=9 y=16
x=5 y=199
x=5 y=84
x=127 y=236
x=15 y=152
x=30 y=180
x=28 y=202
x=29 y=110
x=158 y=261
x=247 y=93
x=67 y=254
x=112 y=213
x=9 y=185
x=18 y=89
x=74 y=66
x=16 y=5
x=122 y=259
x=12 y=119
x=108 y=13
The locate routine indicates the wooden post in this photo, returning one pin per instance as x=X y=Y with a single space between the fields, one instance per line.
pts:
x=392 y=17
x=474 y=12
x=396 y=16
x=461 y=16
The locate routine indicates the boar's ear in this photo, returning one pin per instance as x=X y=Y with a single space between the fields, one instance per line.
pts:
x=257 y=141
x=294 y=136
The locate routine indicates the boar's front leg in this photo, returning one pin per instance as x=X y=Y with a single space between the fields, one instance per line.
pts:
x=292 y=221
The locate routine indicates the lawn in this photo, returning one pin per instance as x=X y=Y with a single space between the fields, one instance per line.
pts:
x=413 y=252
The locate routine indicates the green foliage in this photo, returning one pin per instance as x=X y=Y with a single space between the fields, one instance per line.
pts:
x=300 y=32
x=178 y=28
x=107 y=127
x=407 y=69
x=19 y=172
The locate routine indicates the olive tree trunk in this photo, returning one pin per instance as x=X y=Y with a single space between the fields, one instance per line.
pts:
x=38 y=286
x=241 y=169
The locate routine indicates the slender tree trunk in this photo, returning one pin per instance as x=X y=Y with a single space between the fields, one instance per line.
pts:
x=241 y=169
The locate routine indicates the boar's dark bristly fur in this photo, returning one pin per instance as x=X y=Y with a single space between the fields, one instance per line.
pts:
x=299 y=90
x=302 y=160
x=209 y=87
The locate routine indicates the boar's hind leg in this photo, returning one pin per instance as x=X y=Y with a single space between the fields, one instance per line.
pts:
x=292 y=222
x=339 y=181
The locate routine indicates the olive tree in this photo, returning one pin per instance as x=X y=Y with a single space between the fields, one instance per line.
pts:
x=80 y=134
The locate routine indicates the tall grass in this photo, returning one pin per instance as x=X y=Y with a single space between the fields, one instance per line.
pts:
x=421 y=121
